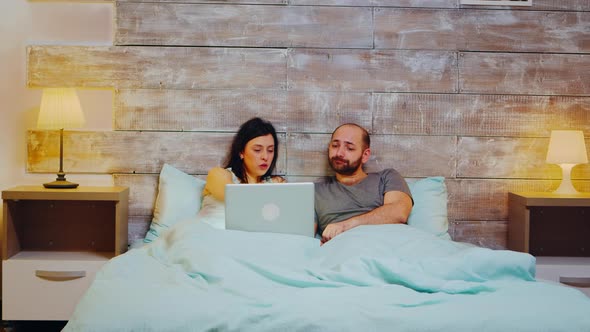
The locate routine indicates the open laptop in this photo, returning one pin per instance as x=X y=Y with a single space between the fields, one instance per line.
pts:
x=270 y=207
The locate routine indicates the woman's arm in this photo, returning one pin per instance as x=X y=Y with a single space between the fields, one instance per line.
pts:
x=217 y=178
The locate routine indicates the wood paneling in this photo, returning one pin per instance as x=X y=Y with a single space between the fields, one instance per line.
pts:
x=138 y=227
x=83 y=1
x=371 y=70
x=524 y=73
x=226 y=2
x=482 y=30
x=478 y=115
x=244 y=25
x=197 y=110
x=143 y=190
x=322 y=112
x=468 y=93
x=131 y=152
x=489 y=234
x=558 y=5
x=412 y=156
x=378 y=3
x=508 y=157
x=156 y=67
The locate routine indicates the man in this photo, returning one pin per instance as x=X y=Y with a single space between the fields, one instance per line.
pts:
x=353 y=197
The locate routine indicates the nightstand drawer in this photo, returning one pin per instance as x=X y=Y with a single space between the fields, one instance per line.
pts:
x=570 y=271
x=53 y=243
x=45 y=289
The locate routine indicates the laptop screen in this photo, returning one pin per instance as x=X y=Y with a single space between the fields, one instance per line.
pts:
x=270 y=207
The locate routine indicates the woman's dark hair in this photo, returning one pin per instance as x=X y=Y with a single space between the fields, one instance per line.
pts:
x=249 y=130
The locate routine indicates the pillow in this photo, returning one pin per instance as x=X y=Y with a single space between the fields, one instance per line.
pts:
x=430 y=206
x=179 y=197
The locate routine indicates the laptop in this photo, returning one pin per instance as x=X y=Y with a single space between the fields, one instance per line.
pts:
x=271 y=207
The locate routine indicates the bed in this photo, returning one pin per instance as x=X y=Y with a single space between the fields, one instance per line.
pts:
x=192 y=275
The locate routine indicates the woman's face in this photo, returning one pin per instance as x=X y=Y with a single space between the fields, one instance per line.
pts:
x=257 y=156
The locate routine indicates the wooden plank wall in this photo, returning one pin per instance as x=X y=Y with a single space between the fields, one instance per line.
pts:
x=469 y=93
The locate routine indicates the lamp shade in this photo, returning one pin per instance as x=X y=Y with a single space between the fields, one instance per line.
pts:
x=60 y=108
x=567 y=147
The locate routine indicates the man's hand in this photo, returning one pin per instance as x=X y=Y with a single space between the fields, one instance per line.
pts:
x=332 y=230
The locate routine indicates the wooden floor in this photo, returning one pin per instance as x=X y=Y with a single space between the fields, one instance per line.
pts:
x=32 y=326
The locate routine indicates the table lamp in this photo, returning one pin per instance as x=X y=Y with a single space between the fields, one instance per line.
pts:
x=566 y=148
x=60 y=108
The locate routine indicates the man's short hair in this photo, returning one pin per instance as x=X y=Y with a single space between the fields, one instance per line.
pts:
x=365 y=134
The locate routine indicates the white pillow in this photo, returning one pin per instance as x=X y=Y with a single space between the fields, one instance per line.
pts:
x=179 y=197
x=430 y=206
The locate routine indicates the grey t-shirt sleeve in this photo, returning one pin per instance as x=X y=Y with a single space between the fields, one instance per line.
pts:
x=393 y=181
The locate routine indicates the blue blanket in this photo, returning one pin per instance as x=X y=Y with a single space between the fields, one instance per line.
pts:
x=371 y=278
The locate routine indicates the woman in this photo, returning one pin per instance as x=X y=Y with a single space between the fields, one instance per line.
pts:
x=251 y=159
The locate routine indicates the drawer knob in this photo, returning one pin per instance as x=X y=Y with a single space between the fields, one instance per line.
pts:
x=62 y=275
x=575 y=281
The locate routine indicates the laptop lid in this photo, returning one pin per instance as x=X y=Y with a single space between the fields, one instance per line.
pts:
x=270 y=207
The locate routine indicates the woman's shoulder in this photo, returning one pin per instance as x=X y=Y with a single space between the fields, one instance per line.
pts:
x=277 y=179
x=219 y=172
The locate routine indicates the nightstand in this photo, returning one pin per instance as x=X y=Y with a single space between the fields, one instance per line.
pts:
x=556 y=230
x=53 y=243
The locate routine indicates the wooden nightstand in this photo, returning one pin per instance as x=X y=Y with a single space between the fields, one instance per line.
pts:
x=53 y=243
x=556 y=230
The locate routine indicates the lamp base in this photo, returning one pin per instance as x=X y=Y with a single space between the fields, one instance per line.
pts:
x=60 y=183
x=566 y=187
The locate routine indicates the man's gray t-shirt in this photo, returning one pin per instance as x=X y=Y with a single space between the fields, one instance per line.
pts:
x=335 y=201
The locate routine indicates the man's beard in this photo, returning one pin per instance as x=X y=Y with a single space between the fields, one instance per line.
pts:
x=346 y=168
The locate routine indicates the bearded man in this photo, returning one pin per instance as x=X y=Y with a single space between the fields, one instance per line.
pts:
x=354 y=197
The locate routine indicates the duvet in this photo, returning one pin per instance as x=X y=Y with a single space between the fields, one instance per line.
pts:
x=371 y=278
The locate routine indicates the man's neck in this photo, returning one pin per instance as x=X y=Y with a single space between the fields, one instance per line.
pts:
x=351 y=180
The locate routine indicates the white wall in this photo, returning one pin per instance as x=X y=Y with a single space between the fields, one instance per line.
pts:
x=25 y=23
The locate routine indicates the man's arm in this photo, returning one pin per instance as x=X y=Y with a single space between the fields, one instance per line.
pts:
x=396 y=209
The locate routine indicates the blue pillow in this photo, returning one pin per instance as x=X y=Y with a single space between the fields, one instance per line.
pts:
x=430 y=206
x=179 y=197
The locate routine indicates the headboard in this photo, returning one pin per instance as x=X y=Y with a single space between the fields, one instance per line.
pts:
x=467 y=93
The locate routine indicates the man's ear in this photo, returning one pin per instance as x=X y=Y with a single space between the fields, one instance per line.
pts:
x=366 y=155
